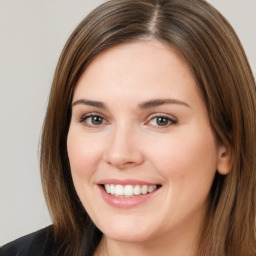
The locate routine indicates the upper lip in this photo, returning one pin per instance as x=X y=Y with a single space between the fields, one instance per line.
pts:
x=125 y=182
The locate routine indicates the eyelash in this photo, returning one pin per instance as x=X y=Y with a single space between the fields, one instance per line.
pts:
x=170 y=120
x=84 y=119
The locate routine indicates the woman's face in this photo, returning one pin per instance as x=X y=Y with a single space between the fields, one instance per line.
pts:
x=140 y=130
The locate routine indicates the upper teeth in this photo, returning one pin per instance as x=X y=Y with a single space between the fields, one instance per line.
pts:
x=129 y=190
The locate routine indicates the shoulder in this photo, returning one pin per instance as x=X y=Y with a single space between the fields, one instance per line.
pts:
x=39 y=243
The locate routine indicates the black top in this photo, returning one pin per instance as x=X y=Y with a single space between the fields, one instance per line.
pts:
x=39 y=243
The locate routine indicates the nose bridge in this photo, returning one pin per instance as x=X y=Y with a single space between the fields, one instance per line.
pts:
x=123 y=150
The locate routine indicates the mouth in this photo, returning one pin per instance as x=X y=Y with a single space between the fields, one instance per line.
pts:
x=127 y=191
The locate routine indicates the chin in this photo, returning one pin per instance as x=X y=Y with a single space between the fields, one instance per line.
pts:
x=129 y=232
x=128 y=237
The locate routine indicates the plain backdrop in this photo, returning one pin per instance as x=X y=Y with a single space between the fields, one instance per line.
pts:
x=32 y=35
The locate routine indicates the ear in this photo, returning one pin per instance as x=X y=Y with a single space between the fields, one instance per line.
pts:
x=224 y=160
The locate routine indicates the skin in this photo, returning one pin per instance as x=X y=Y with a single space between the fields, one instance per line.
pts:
x=127 y=142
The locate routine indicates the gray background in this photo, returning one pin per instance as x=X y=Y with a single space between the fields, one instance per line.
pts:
x=32 y=35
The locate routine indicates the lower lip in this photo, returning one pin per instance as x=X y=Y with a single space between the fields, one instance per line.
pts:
x=126 y=202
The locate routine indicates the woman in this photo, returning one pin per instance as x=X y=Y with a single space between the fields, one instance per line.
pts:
x=148 y=145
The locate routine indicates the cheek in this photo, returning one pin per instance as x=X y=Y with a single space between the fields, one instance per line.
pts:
x=184 y=155
x=84 y=154
x=188 y=165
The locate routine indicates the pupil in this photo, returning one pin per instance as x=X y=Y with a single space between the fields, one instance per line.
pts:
x=96 y=120
x=161 y=121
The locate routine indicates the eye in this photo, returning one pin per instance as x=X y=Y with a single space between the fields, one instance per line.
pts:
x=93 y=120
x=161 y=121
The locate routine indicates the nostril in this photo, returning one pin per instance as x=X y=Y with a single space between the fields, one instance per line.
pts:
x=128 y=163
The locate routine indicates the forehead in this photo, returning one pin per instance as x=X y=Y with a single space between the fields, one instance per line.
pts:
x=145 y=54
x=145 y=67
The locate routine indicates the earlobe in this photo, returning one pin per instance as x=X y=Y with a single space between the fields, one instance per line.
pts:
x=224 y=160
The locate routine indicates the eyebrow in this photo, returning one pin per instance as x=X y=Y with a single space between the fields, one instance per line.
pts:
x=159 y=102
x=92 y=103
x=143 y=105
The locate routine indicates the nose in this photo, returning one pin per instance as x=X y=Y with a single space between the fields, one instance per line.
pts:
x=123 y=150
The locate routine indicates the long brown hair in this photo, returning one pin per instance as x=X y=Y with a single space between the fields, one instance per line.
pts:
x=215 y=55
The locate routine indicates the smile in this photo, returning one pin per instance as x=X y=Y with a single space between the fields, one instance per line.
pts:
x=129 y=190
x=127 y=193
